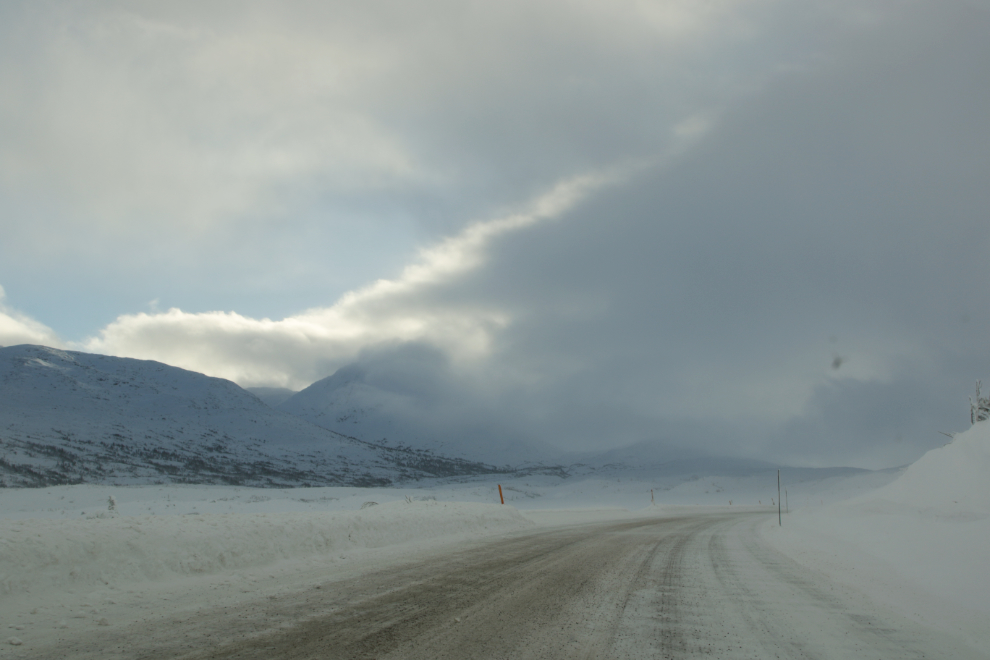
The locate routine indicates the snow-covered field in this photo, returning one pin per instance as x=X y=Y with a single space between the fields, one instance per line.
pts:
x=103 y=568
x=92 y=555
x=67 y=539
x=68 y=559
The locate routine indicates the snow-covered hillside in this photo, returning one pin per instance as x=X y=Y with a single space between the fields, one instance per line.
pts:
x=68 y=417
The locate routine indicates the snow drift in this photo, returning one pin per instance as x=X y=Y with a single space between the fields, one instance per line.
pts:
x=919 y=543
x=950 y=482
x=39 y=555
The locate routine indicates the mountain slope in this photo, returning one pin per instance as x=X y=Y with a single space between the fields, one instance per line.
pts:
x=369 y=403
x=69 y=417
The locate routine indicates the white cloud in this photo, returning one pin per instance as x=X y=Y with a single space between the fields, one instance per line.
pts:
x=17 y=328
x=146 y=119
x=295 y=351
x=130 y=117
x=277 y=154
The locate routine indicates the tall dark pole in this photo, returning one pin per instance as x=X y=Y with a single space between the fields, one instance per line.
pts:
x=779 y=523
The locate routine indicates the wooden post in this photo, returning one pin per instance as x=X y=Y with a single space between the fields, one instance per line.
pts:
x=779 y=522
x=500 y=494
x=651 y=496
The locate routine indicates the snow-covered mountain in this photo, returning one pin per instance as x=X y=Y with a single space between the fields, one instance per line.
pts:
x=368 y=402
x=69 y=417
x=376 y=407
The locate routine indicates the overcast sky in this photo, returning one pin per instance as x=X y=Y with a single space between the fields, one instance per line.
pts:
x=745 y=227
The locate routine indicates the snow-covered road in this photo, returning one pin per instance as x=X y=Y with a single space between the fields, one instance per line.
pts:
x=698 y=584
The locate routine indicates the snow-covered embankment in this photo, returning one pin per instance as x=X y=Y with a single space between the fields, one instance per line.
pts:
x=42 y=555
x=919 y=544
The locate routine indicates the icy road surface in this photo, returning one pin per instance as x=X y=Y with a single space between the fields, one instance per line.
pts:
x=682 y=587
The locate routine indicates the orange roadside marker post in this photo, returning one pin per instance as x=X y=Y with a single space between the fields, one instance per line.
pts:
x=500 y=494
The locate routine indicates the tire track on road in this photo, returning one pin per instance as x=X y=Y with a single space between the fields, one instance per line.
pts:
x=518 y=597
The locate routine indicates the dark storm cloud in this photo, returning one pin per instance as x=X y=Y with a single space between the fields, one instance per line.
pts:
x=841 y=209
x=722 y=203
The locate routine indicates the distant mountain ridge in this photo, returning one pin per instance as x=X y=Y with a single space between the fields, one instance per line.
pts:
x=70 y=417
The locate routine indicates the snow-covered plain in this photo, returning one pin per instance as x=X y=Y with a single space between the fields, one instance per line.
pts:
x=67 y=561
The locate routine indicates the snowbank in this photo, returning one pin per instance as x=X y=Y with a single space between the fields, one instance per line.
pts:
x=951 y=481
x=919 y=543
x=40 y=554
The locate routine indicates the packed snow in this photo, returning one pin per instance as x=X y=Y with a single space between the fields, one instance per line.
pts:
x=109 y=550
x=111 y=564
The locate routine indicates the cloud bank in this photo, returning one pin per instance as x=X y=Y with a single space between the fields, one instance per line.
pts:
x=271 y=156
x=295 y=351
x=754 y=228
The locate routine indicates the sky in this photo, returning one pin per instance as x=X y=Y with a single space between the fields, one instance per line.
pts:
x=753 y=228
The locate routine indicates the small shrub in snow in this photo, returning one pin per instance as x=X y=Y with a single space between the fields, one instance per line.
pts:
x=367 y=504
x=979 y=410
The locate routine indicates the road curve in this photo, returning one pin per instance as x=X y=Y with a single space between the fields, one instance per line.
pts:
x=692 y=586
